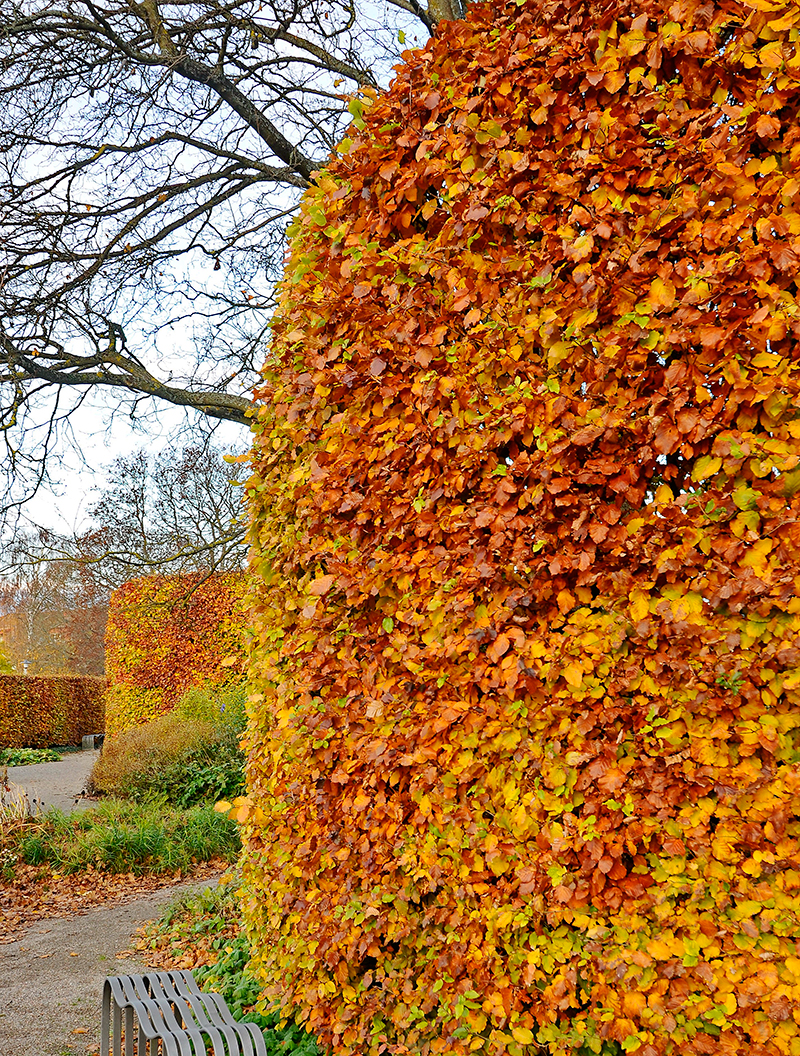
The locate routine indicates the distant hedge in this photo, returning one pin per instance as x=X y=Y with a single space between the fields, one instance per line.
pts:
x=37 y=711
x=167 y=635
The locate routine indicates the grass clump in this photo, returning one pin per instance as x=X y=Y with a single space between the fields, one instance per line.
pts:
x=28 y=756
x=190 y=755
x=124 y=837
x=205 y=930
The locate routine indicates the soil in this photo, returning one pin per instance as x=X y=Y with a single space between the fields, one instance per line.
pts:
x=52 y=970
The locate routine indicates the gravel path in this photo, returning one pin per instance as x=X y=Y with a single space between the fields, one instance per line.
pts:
x=57 y=784
x=51 y=977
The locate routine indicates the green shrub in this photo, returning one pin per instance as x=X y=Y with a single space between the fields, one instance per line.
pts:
x=191 y=755
x=211 y=920
x=224 y=706
x=28 y=756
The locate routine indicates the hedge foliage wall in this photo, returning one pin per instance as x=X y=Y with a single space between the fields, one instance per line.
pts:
x=40 y=712
x=166 y=635
x=526 y=525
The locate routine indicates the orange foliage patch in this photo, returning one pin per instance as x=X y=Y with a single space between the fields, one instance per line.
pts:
x=166 y=635
x=526 y=511
x=36 y=712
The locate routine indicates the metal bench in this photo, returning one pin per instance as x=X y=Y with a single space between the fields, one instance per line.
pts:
x=165 y=1013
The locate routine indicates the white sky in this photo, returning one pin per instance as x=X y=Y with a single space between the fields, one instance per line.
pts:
x=94 y=439
x=85 y=459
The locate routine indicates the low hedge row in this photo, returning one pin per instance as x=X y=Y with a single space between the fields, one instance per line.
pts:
x=37 y=711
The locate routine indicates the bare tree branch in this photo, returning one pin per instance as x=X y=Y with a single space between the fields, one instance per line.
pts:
x=151 y=154
x=116 y=369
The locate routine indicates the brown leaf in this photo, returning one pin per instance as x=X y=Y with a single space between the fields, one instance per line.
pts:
x=498 y=648
x=321 y=585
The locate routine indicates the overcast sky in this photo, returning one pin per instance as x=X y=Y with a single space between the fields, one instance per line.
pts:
x=91 y=442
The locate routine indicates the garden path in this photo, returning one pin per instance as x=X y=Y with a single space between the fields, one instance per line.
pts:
x=57 y=784
x=51 y=974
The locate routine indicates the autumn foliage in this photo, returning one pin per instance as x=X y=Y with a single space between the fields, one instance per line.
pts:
x=526 y=524
x=167 y=635
x=36 y=712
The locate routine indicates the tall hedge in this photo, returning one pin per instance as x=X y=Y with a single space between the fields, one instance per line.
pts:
x=526 y=525
x=37 y=712
x=169 y=634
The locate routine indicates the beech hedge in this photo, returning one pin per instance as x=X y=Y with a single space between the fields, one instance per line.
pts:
x=167 y=635
x=525 y=755
x=36 y=712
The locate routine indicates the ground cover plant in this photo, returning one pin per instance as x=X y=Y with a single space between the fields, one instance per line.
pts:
x=525 y=740
x=28 y=756
x=118 y=837
x=203 y=932
x=190 y=755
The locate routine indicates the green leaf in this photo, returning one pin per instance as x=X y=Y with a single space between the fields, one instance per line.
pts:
x=317 y=215
x=356 y=109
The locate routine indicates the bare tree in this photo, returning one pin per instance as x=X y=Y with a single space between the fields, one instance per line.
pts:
x=37 y=600
x=150 y=155
x=170 y=512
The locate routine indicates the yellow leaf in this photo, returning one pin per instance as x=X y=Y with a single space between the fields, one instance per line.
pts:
x=573 y=673
x=632 y=43
x=768 y=165
x=498 y=864
x=664 y=495
x=756 y=556
x=771 y=55
x=640 y=608
x=633 y=1002
x=662 y=294
x=659 y=950
x=522 y=1035
x=706 y=467
x=692 y=602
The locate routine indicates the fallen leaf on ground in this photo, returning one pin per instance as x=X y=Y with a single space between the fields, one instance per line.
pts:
x=34 y=895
